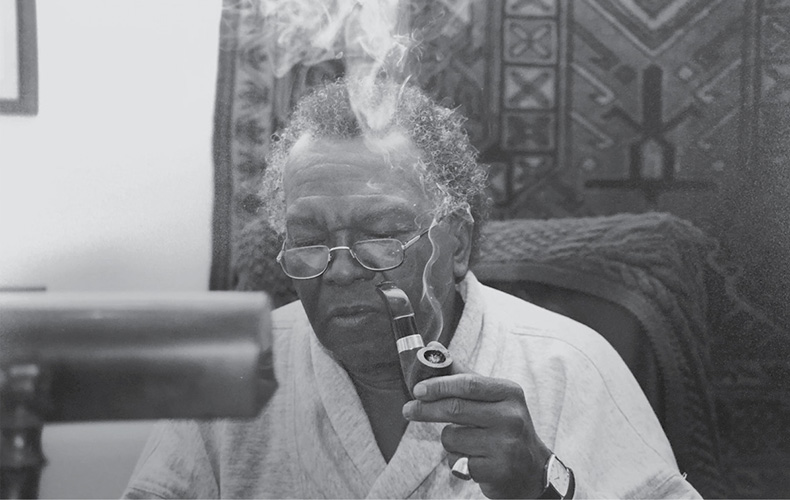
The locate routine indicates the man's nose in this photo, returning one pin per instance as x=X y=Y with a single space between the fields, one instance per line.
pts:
x=343 y=268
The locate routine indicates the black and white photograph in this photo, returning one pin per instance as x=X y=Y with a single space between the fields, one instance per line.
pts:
x=395 y=249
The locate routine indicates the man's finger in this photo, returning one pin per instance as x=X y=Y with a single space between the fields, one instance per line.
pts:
x=469 y=441
x=460 y=411
x=467 y=386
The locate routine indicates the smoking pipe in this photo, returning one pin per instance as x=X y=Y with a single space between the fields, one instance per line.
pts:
x=417 y=361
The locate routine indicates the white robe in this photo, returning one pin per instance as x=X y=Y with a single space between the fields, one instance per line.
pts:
x=313 y=439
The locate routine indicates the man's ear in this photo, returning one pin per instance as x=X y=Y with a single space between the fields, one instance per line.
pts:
x=462 y=232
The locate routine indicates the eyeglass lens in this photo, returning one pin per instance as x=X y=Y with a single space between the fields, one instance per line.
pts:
x=375 y=255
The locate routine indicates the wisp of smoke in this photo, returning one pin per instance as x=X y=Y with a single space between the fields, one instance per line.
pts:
x=373 y=37
x=429 y=296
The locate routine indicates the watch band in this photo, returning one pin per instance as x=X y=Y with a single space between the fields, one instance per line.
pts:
x=550 y=491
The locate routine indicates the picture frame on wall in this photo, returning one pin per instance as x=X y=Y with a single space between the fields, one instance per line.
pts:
x=18 y=58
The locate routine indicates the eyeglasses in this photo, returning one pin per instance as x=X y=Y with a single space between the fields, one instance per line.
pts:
x=381 y=254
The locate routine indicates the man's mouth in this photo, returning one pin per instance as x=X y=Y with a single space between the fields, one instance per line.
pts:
x=353 y=315
x=354 y=310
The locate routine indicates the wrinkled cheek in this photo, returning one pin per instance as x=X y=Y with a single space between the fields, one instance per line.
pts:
x=308 y=293
x=306 y=289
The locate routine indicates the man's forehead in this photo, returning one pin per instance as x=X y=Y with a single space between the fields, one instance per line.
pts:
x=350 y=166
x=396 y=140
x=393 y=149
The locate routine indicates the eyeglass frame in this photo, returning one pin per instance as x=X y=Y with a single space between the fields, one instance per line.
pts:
x=404 y=247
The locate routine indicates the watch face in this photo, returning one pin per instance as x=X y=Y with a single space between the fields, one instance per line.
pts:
x=559 y=477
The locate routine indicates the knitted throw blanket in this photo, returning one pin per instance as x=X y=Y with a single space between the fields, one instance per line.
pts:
x=655 y=255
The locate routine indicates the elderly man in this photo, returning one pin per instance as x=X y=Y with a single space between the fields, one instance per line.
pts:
x=537 y=406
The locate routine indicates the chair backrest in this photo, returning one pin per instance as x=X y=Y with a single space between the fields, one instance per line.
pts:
x=638 y=280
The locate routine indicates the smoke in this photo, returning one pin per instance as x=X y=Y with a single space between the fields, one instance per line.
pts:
x=434 y=329
x=376 y=39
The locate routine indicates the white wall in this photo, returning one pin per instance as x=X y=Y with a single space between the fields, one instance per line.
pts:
x=110 y=186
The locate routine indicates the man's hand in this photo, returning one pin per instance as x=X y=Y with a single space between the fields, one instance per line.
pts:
x=488 y=422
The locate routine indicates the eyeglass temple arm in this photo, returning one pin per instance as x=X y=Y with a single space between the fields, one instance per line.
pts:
x=417 y=237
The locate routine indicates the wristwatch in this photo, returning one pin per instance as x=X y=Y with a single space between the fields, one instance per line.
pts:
x=558 y=481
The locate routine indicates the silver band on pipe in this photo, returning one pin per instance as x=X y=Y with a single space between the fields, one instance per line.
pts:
x=411 y=342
